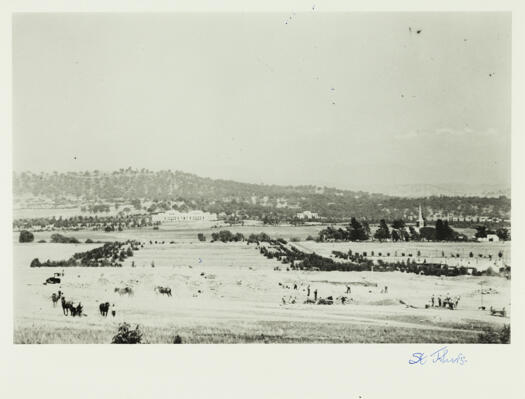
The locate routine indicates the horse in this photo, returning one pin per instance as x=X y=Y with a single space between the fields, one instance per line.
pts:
x=104 y=308
x=76 y=310
x=66 y=306
x=163 y=290
x=55 y=297
x=125 y=290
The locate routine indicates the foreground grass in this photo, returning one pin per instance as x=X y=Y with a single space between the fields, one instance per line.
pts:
x=258 y=332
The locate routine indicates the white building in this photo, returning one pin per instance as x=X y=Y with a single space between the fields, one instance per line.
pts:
x=175 y=217
x=307 y=215
x=489 y=238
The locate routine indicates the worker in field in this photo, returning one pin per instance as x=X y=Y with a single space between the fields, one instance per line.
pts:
x=348 y=289
x=433 y=299
x=308 y=291
x=315 y=294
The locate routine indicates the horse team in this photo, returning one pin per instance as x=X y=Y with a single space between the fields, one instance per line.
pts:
x=68 y=307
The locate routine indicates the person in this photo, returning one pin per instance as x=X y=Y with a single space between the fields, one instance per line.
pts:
x=439 y=301
x=113 y=310
x=315 y=295
x=386 y=289
x=433 y=300
x=295 y=286
x=308 y=292
x=348 y=289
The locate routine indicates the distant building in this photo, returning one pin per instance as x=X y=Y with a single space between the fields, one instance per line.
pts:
x=489 y=238
x=420 y=220
x=180 y=218
x=307 y=215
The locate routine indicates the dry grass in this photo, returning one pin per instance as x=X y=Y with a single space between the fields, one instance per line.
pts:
x=259 y=332
x=241 y=300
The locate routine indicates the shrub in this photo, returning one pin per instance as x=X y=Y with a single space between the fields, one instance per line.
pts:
x=505 y=334
x=491 y=336
x=310 y=238
x=177 y=339
x=26 y=236
x=89 y=241
x=126 y=335
x=294 y=239
x=201 y=237
x=42 y=241
x=59 y=238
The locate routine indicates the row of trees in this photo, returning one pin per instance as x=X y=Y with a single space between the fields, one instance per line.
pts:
x=106 y=223
x=110 y=254
x=483 y=231
x=355 y=231
x=356 y=262
x=398 y=231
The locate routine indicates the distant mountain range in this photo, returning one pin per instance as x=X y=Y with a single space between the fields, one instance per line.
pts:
x=451 y=189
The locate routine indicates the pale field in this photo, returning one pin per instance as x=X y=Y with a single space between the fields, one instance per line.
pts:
x=431 y=251
x=240 y=299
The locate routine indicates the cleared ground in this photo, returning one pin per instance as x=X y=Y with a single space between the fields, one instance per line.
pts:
x=240 y=299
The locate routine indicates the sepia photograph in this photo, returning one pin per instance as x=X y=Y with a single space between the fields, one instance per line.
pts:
x=302 y=177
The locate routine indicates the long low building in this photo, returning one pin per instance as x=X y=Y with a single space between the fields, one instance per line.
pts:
x=173 y=218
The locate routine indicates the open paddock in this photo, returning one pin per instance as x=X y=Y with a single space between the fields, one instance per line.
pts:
x=231 y=293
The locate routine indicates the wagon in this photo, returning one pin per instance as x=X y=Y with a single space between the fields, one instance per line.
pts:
x=496 y=312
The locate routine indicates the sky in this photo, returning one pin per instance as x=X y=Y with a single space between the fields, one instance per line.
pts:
x=336 y=99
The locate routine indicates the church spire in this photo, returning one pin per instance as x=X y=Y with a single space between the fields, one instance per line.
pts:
x=420 y=220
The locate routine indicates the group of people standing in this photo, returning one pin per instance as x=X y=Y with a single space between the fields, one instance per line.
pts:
x=447 y=301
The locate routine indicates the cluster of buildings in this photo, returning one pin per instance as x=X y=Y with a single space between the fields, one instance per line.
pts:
x=307 y=215
x=434 y=217
x=173 y=217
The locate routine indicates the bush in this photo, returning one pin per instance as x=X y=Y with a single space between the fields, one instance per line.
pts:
x=26 y=236
x=42 y=241
x=35 y=263
x=177 y=339
x=89 y=241
x=294 y=239
x=505 y=334
x=310 y=238
x=126 y=335
x=59 y=238
x=201 y=237
x=491 y=336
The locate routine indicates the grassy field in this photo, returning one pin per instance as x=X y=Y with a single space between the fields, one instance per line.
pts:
x=240 y=332
x=230 y=293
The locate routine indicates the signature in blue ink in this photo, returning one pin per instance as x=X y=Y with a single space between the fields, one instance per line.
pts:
x=440 y=356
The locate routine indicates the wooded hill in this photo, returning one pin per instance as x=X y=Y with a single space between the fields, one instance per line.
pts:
x=167 y=187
